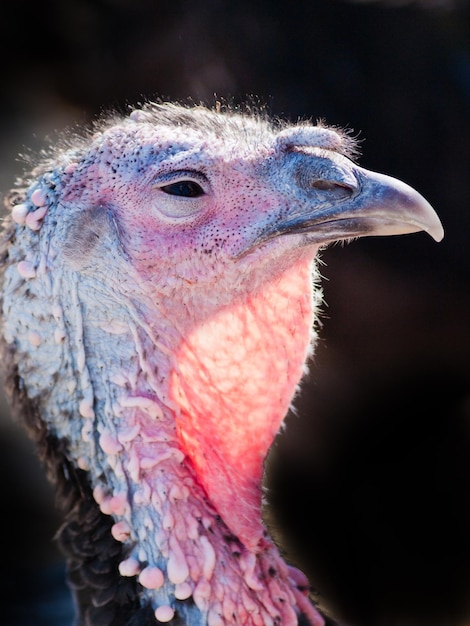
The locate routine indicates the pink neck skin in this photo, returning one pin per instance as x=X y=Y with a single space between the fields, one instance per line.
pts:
x=235 y=376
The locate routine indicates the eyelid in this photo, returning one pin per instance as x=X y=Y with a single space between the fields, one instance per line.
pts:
x=180 y=175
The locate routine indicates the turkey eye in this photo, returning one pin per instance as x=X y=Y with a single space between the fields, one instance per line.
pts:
x=184 y=188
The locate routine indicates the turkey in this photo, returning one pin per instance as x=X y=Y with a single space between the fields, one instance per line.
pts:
x=159 y=300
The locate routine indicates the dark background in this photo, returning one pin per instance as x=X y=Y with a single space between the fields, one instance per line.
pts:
x=370 y=484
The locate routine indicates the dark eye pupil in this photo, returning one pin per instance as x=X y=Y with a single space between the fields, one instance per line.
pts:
x=185 y=188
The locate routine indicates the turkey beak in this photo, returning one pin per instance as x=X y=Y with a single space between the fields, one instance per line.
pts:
x=354 y=202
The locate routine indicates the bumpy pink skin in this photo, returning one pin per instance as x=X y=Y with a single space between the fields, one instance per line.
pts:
x=237 y=331
x=247 y=330
x=242 y=327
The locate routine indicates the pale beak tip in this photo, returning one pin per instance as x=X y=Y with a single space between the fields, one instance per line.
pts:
x=436 y=232
x=432 y=224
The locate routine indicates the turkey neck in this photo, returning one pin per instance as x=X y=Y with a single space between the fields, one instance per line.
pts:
x=177 y=435
x=118 y=380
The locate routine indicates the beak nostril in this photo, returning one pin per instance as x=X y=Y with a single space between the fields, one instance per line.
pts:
x=325 y=185
x=329 y=185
